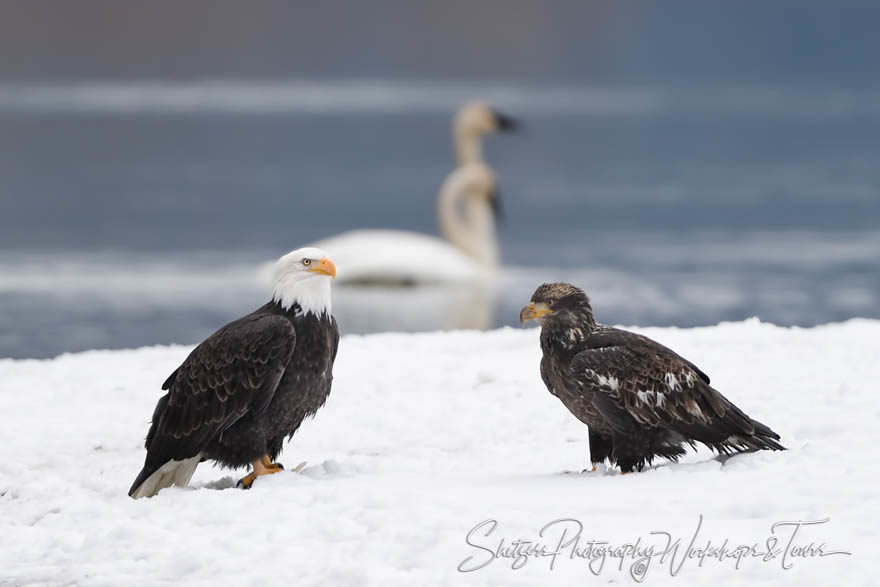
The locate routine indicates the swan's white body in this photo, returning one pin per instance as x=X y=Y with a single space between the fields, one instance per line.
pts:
x=398 y=257
x=470 y=250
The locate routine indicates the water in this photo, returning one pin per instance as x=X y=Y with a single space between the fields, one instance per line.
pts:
x=135 y=214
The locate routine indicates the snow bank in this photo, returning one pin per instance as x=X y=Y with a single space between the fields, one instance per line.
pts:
x=424 y=437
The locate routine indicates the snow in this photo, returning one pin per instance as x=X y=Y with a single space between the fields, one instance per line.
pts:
x=424 y=437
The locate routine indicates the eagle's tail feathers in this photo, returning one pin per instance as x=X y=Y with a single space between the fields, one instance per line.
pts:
x=149 y=483
x=768 y=439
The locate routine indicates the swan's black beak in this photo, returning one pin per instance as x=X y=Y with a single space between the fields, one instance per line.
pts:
x=495 y=203
x=505 y=123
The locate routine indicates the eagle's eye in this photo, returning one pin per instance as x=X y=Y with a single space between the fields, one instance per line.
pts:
x=550 y=303
x=307 y=262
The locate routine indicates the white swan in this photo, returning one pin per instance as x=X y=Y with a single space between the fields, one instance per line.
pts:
x=399 y=257
x=466 y=205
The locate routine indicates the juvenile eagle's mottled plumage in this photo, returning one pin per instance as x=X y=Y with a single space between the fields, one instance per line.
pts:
x=639 y=399
x=249 y=385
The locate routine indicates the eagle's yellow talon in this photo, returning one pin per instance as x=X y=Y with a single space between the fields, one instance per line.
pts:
x=262 y=466
x=246 y=481
x=270 y=466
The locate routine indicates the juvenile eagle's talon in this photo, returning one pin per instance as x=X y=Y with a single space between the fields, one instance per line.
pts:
x=593 y=470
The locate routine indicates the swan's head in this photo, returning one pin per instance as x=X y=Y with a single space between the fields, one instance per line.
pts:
x=302 y=277
x=478 y=118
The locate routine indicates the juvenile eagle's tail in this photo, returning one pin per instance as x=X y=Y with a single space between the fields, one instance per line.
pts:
x=747 y=434
x=151 y=479
x=765 y=437
x=738 y=431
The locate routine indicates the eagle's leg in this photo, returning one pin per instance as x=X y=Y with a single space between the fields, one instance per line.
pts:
x=259 y=470
x=600 y=449
x=628 y=464
x=270 y=466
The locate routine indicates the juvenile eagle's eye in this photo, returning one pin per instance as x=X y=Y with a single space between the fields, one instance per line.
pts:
x=307 y=262
x=550 y=303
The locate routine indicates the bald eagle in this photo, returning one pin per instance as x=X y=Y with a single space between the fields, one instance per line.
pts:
x=639 y=399
x=250 y=384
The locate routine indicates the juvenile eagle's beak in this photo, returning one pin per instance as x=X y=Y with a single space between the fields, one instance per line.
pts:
x=534 y=311
x=326 y=266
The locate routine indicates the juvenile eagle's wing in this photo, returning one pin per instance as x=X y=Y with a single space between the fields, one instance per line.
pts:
x=234 y=371
x=636 y=383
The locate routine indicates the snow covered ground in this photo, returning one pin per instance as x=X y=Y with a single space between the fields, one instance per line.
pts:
x=424 y=437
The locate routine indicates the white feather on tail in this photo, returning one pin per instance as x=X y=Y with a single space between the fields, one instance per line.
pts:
x=171 y=473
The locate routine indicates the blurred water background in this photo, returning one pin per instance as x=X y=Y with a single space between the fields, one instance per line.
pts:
x=683 y=171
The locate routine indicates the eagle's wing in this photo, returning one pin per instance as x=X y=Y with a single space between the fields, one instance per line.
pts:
x=636 y=382
x=234 y=371
x=335 y=330
x=545 y=375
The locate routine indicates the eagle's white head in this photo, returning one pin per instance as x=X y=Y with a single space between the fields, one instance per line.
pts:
x=303 y=277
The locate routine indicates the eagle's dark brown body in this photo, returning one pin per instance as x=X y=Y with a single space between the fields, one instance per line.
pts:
x=243 y=390
x=639 y=399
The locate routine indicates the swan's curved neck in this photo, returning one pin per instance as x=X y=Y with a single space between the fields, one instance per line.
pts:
x=467 y=221
x=468 y=145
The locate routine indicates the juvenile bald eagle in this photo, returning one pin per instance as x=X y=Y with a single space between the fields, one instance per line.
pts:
x=639 y=399
x=250 y=384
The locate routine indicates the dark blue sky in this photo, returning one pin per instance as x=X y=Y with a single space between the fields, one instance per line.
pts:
x=576 y=41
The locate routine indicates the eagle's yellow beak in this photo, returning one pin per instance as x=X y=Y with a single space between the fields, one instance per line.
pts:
x=326 y=266
x=534 y=311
